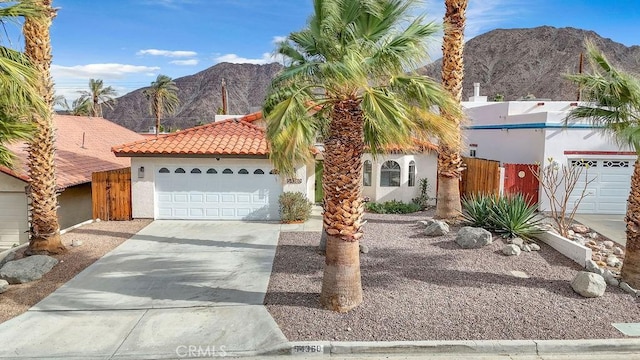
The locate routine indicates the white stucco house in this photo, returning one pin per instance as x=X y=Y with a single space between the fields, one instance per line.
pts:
x=83 y=146
x=529 y=132
x=222 y=171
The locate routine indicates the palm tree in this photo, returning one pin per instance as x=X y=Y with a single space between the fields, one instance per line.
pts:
x=448 y=205
x=613 y=103
x=346 y=72
x=98 y=95
x=163 y=98
x=45 y=230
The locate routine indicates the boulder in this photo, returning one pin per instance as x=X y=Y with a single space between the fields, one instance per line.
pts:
x=511 y=249
x=579 y=229
x=518 y=241
x=588 y=284
x=27 y=269
x=426 y=222
x=534 y=247
x=473 y=238
x=364 y=249
x=10 y=256
x=593 y=267
x=437 y=228
x=626 y=287
x=4 y=286
x=610 y=278
x=526 y=248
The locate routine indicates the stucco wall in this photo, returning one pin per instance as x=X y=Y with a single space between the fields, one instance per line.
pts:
x=13 y=212
x=142 y=188
x=75 y=205
x=11 y=184
x=426 y=167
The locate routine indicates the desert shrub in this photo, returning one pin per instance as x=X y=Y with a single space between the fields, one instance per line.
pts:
x=423 y=200
x=476 y=210
x=510 y=216
x=294 y=206
x=393 y=207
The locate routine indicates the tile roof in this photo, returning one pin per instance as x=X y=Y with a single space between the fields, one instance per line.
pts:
x=418 y=146
x=227 y=137
x=83 y=146
x=251 y=117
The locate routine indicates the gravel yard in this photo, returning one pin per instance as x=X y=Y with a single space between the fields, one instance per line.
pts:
x=97 y=239
x=420 y=288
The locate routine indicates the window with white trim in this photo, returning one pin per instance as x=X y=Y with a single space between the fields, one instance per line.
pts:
x=366 y=173
x=390 y=174
x=412 y=173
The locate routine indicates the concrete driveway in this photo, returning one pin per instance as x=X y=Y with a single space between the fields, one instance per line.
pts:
x=610 y=226
x=174 y=288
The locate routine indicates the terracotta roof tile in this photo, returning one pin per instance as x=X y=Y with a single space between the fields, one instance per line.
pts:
x=228 y=137
x=83 y=146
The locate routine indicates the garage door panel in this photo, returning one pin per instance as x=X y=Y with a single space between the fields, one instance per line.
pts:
x=227 y=198
x=196 y=213
x=196 y=198
x=180 y=198
x=212 y=213
x=243 y=198
x=212 y=198
x=609 y=190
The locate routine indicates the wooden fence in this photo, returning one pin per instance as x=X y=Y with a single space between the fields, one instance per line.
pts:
x=481 y=176
x=111 y=194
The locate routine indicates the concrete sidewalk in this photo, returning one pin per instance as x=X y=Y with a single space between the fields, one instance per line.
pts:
x=174 y=286
x=610 y=226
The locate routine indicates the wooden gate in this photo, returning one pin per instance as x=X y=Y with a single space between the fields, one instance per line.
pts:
x=518 y=178
x=111 y=194
x=480 y=177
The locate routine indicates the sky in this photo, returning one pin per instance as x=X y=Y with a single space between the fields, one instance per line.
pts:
x=127 y=43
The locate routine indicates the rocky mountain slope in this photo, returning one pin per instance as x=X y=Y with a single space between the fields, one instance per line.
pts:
x=514 y=63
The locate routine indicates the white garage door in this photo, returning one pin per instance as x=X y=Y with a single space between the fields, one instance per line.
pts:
x=13 y=219
x=225 y=193
x=609 y=191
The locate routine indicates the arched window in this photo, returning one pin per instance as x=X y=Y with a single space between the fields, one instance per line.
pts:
x=366 y=173
x=412 y=173
x=227 y=171
x=259 y=172
x=179 y=171
x=243 y=171
x=390 y=174
x=196 y=171
x=212 y=171
x=164 y=171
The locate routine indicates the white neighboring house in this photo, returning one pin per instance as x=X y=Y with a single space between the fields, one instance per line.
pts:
x=529 y=132
x=218 y=171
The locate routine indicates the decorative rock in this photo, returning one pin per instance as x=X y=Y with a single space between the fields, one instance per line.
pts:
x=518 y=241
x=364 y=249
x=426 y=222
x=593 y=235
x=588 y=284
x=571 y=233
x=580 y=240
x=10 y=256
x=511 y=249
x=27 y=269
x=593 y=267
x=579 y=229
x=4 y=286
x=534 y=247
x=618 y=251
x=610 y=278
x=473 y=238
x=438 y=228
x=626 y=287
x=526 y=248
x=592 y=243
x=76 y=242
x=608 y=244
x=601 y=263
x=613 y=261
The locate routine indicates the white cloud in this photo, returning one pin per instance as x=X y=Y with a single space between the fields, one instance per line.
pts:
x=102 y=71
x=167 y=53
x=189 y=62
x=278 y=39
x=233 y=58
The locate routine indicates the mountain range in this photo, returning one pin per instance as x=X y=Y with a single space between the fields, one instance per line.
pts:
x=515 y=63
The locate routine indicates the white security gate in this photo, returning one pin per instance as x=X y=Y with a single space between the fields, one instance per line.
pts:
x=608 y=193
x=224 y=193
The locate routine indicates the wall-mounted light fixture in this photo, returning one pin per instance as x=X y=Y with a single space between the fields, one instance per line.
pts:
x=141 y=172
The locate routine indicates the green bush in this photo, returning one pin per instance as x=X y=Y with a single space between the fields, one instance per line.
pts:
x=392 y=207
x=423 y=200
x=509 y=215
x=294 y=207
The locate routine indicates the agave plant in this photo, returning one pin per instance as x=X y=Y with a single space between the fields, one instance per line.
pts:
x=512 y=216
x=476 y=210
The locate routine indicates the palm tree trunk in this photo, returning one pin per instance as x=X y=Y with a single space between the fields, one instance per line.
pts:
x=449 y=162
x=631 y=266
x=45 y=230
x=344 y=209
